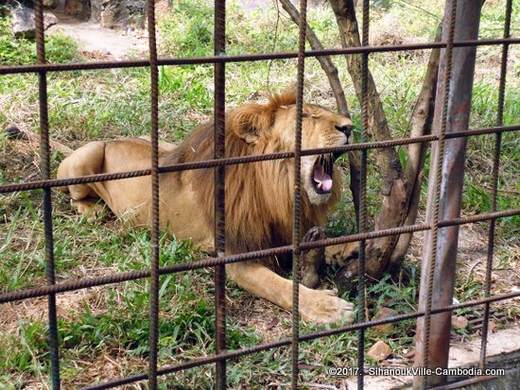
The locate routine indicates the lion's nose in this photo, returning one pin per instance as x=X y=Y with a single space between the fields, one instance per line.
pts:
x=345 y=129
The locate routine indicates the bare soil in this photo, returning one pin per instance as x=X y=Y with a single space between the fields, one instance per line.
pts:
x=97 y=42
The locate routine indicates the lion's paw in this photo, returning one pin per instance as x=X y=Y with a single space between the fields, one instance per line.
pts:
x=324 y=307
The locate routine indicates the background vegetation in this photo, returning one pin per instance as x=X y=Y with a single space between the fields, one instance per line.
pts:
x=104 y=331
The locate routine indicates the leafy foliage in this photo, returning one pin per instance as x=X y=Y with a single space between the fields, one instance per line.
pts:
x=59 y=48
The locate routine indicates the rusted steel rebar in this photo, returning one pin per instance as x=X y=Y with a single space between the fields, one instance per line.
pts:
x=297 y=204
x=32 y=185
x=96 y=65
x=228 y=355
x=495 y=173
x=50 y=270
x=154 y=241
x=219 y=234
x=429 y=257
x=363 y=217
x=213 y=261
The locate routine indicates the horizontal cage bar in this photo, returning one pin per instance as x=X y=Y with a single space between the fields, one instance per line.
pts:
x=37 y=184
x=307 y=337
x=98 y=65
x=213 y=261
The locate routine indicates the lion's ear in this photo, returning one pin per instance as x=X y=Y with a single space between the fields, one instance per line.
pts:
x=250 y=120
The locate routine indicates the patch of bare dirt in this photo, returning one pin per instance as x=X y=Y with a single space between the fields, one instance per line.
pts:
x=472 y=257
x=268 y=320
x=471 y=276
x=19 y=159
x=102 y=43
x=69 y=304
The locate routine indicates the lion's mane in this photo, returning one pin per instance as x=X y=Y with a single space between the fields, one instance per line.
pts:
x=259 y=196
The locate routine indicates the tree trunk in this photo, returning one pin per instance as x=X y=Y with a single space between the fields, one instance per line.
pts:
x=400 y=191
x=450 y=182
x=393 y=190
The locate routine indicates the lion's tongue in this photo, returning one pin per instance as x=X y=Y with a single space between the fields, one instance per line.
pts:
x=322 y=179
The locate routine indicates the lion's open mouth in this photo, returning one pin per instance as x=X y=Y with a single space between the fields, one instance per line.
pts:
x=322 y=173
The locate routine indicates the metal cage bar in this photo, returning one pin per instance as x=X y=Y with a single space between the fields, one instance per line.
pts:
x=50 y=269
x=154 y=176
x=287 y=341
x=297 y=222
x=32 y=185
x=495 y=174
x=219 y=138
x=363 y=218
x=439 y=159
x=213 y=261
x=219 y=163
x=96 y=65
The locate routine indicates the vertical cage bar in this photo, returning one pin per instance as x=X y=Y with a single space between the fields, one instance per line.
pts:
x=47 y=197
x=297 y=222
x=437 y=187
x=495 y=173
x=155 y=233
x=438 y=269
x=219 y=137
x=362 y=221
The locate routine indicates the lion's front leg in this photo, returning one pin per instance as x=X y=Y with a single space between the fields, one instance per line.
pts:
x=319 y=306
x=313 y=259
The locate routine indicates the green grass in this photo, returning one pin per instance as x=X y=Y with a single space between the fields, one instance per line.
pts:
x=110 y=324
x=58 y=48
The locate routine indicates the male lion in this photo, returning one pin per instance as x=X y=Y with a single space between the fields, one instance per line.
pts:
x=259 y=196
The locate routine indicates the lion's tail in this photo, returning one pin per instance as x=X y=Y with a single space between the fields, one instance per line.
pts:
x=14 y=132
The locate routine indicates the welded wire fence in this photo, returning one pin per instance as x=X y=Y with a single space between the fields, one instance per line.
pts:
x=219 y=163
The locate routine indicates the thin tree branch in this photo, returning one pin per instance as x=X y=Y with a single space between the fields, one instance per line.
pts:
x=421 y=121
x=325 y=61
x=400 y=192
x=378 y=129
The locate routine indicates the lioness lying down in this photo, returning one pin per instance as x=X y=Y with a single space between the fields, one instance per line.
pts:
x=259 y=196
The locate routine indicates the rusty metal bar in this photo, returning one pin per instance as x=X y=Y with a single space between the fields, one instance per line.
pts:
x=228 y=355
x=445 y=192
x=495 y=173
x=213 y=261
x=98 y=65
x=219 y=234
x=32 y=185
x=297 y=212
x=47 y=199
x=363 y=218
x=429 y=256
x=155 y=233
